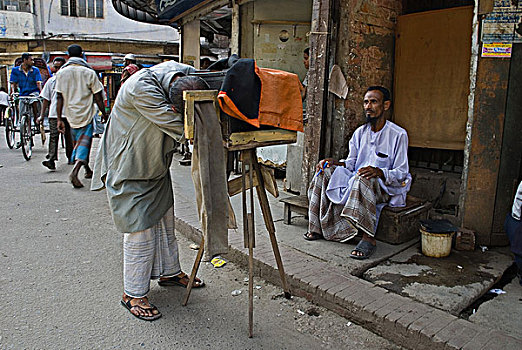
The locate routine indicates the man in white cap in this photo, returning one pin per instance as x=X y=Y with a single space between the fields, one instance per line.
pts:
x=129 y=59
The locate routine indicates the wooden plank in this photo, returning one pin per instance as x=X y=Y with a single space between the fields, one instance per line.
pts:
x=191 y=97
x=292 y=23
x=298 y=201
x=235 y=185
x=195 y=269
x=270 y=181
x=432 y=59
x=261 y=138
x=269 y=223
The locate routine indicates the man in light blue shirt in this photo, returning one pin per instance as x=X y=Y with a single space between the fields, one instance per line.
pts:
x=348 y=195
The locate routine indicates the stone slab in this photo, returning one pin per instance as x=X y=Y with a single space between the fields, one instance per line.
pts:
x=500 y=312
x=451 y=284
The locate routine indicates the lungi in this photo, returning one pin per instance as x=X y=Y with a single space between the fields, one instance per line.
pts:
x=150 y=254
x=338 y=222
x=82 y=138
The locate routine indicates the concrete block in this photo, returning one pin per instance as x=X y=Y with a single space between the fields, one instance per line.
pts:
x=305 y=272
x=354 y=287
x=328 y=278
x=434 y=327
x=469 y=331
x=425 y=320
x=501 y=341
x=394 y=302
x=370 y=296
x=478 y=342
x=377 y=304
x=402 y=324
x=327 y=286
x=399 y=312
x=452 y=330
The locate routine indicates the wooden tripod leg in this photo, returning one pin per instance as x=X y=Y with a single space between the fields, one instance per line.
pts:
x=195 y=269
x=269 y=223
x=251 y=240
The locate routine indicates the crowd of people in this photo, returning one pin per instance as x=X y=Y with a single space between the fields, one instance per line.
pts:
x=75 y=117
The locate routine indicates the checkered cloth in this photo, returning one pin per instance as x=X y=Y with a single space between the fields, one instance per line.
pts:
x=361 y=206
x=337 y=222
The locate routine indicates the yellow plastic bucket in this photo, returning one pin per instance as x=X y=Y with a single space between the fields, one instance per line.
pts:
x=436 y=245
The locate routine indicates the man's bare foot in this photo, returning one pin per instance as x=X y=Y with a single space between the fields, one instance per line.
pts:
x=88 y=172
x=140 y=307
x=75 y=181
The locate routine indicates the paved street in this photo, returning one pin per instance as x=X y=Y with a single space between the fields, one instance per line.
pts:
x=61 y=281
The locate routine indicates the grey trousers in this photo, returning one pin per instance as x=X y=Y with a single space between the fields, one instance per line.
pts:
x=54 y=138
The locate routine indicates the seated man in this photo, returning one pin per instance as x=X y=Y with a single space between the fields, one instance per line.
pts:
x=513 y=227
x=349 y=195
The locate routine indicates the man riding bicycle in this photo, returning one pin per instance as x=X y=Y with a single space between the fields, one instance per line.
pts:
x=28 y=79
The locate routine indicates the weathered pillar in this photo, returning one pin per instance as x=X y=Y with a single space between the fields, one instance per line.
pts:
x=317 y=83
x=485 y=129
x=234 y=40
x=190 y=45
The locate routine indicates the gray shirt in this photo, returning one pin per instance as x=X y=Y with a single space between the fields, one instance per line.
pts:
x=135 y=152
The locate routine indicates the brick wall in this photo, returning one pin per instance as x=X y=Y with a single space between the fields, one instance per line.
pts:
x=365 y=52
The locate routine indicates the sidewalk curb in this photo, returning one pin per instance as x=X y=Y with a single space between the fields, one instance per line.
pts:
x=405 y=322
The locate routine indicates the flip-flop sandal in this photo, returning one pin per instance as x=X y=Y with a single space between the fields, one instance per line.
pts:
x=312 y=236
x=128 y=306
x=177 y=281
x=364 y=247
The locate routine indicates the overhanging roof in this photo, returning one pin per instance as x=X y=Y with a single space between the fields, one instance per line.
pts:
x=157 y=11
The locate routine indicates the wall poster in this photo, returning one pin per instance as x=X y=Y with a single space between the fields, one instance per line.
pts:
x=504 y=24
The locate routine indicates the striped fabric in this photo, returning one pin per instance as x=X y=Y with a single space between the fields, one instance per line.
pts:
x=325 y=216
x=150 y=254
x=82 y=138
x=337 y=222
x=361 y=206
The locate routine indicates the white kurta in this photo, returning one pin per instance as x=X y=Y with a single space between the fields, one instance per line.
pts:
x=386 y=149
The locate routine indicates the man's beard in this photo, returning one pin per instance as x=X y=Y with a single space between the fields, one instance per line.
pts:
x=372 y=120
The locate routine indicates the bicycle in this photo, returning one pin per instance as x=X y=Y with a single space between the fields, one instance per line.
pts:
x=12 y=121
x=28 y=127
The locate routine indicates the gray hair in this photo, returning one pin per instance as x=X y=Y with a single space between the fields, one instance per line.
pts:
x=181 y=84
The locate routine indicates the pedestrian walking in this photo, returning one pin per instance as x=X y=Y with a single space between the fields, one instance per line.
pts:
x=76 y=84
x=49 y=96
x=4 y=103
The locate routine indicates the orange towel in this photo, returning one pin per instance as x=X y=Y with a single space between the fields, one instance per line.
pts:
x=280 y=102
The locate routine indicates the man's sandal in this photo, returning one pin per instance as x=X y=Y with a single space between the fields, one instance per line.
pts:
x=312 y=236
x=181 y=280
x=152 y=308
x=364 y=247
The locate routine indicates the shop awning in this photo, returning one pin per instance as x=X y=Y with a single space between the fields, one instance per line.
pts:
x=156 y=11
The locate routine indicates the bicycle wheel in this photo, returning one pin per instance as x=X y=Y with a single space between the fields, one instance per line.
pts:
x=26 y=137
x=9 y=129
